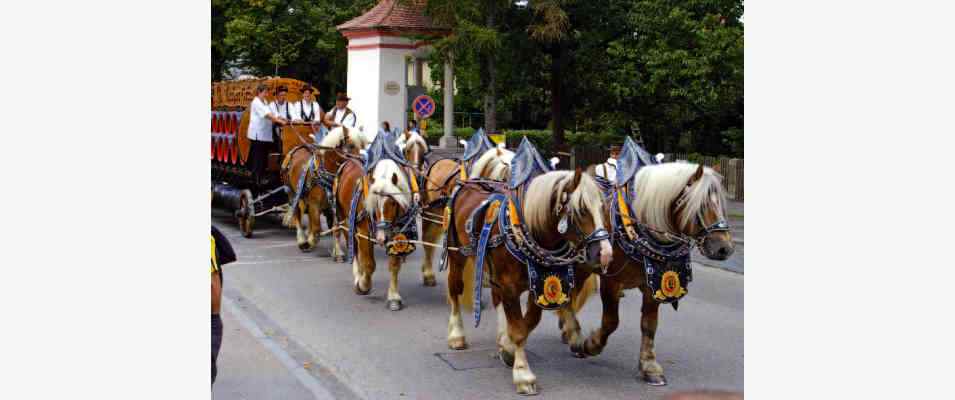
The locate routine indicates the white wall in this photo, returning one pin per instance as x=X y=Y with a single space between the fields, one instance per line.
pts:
x=369 y=69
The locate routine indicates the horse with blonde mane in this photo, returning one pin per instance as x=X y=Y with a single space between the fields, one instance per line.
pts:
x=551 y=202
x=441 y=180
x=379 y=209
x=311 y=169
x=675 y=206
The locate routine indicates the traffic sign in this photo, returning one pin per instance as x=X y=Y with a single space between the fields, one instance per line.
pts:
x=423 y=106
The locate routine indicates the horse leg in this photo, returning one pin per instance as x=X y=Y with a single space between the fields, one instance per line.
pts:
x=314 y=224
x=364 y=263
x=432 y=232
x=505 y=347
x=610 y=297
x=584 y=286
x=394 y=298
x=297 y=212
x=456 y=267
x=650 y=369
x=518 y=328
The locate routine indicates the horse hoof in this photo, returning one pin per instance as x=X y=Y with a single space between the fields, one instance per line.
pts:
x=430 y=281
x=339 y=259
x=622 y=294
x=579 y=355
x=304 y=247
x=457 y=343
x=394 y=305
x=527 y=389
x=506 y=357
x=563 y=338
x=654 y=380
x=360 y=292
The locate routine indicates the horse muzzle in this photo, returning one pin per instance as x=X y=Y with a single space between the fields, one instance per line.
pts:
x=600 y=252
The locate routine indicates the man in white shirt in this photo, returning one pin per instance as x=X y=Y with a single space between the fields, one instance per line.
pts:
x=341 y=115
x=608 y=170
x=308 y=109
x=261 y=119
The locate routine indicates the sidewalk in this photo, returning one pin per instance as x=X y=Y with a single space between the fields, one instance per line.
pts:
x=247 y=370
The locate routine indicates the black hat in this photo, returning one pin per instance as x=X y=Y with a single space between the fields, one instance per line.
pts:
x=342 y=97
x=307 y=88
x=281 y=89
x=615 y=148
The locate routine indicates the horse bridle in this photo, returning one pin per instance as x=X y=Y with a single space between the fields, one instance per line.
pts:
x=579 y=249
x=699 y=238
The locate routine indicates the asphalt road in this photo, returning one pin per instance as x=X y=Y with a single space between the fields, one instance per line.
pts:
x=294 y=329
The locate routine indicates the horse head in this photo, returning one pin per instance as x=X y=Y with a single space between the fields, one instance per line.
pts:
x=415 y=149
x=574 y=213
x=685 y=200
x=389 y=198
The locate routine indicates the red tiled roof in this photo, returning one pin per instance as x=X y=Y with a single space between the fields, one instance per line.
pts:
x=388 y=15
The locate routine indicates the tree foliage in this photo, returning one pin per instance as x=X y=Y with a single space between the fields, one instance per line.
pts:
x=670 y=71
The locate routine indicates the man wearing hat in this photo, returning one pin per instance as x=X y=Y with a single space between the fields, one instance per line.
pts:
x=608 y=170
x=341 y=115
x=261 y=120
x=308 y=109
x=282 y=109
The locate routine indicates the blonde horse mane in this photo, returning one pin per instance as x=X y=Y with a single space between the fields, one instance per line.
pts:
x=658 y=186
x=498 y=166
x=413 y=139
x=539 y=207
x=335 y=136
x=382 y=185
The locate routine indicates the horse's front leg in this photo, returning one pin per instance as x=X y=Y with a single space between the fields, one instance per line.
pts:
x=585 y=284
x=314 y=224
x=610 y=297
x=363 y=266
x=394 y=298
x=519 y=328
x=300 y=237
x=456 y=270
x=650 y=369
x=432 y=232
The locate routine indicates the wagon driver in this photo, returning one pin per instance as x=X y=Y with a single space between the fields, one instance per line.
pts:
x=282 y=109
x=261 y=120
x=341 y=115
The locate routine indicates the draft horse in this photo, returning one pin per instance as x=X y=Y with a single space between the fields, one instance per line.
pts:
x=378 y=208
x=552 y=202
x=675 y=206
x=309 y=172
x=441 y=179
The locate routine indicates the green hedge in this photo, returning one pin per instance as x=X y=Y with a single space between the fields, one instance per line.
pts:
x=540 y=138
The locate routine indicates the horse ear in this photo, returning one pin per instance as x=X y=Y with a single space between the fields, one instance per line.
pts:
x=696 y=175
x=499 y=152
x=573 y=184
x=394 y=179
x=407 y=135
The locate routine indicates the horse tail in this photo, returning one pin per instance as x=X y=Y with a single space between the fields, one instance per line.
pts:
x=467 y=296
x=586 y=290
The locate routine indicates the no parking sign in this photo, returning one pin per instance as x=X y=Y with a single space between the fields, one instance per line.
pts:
x=423 y=106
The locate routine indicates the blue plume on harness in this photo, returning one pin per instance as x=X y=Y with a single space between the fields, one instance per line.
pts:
x=481 y=248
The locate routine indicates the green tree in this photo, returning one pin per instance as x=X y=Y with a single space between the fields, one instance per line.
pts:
x=294 y=38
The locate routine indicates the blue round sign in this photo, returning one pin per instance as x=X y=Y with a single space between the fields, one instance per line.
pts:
x=423 y=106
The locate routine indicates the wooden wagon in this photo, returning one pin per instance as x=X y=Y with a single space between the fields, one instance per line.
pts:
x=234 y=185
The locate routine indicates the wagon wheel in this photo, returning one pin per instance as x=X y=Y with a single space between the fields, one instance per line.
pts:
x=246 y=213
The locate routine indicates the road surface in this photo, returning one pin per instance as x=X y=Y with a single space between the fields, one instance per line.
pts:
x=294 y=329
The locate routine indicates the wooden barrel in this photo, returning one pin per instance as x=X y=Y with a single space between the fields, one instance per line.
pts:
x=235 y=137
x=243 y=138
